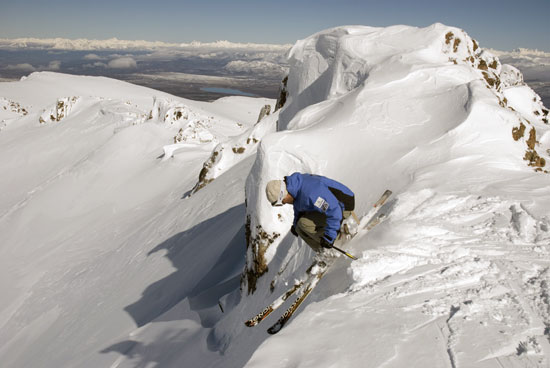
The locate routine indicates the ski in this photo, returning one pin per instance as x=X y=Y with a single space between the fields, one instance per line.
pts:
x=387 y=193
x=280 y=300
x=270 y=308
x=375 y=221
x=367 y=222
x=370 y=220
x=304 y=292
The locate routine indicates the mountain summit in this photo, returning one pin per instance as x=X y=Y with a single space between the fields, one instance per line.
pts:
x=134 y=228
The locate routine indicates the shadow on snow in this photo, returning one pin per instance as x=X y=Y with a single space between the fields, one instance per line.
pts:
x=207 y=279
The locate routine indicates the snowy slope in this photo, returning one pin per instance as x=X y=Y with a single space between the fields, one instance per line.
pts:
x=96 y=239
x=458 y=276
x=110 y=258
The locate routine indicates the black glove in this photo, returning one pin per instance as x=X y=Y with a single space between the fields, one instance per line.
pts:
x=326 y=244
x=293 y=231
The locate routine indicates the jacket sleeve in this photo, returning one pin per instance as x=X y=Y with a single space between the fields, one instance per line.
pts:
x=334 y=217
x=296 y=217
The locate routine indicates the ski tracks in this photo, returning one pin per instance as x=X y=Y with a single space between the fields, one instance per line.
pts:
x=476 y=267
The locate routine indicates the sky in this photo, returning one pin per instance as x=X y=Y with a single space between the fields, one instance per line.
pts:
x=498 y=24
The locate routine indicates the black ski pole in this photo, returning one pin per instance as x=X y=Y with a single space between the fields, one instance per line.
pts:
x=345 y=253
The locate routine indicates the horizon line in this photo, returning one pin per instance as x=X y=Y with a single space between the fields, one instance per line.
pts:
x=83 y=44
x=109 y=43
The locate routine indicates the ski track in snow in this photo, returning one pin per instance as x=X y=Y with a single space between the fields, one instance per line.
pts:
x=443 y=268
x=468 y=263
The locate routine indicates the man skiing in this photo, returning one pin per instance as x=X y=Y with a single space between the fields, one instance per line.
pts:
x=320 y=205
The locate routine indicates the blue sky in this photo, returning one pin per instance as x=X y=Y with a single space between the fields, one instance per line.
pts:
x=500 y=24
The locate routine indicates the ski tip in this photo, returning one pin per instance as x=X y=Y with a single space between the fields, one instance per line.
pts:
x=383 y=198
x=251 y=323
x=273 y=330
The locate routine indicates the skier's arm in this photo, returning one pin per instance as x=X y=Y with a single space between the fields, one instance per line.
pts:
x=334 y=217
x=296 y=217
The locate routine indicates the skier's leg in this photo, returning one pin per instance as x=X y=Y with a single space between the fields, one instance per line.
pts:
x=311 y=227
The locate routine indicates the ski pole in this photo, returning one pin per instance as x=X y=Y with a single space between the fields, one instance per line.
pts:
x=345 y=253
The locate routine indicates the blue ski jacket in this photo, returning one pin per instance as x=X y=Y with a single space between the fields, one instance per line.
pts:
x=320 y=194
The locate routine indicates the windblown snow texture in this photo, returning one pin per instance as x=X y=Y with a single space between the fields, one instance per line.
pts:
x=111 y=254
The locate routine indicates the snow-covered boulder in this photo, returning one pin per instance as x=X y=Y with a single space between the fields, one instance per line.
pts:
x=227 y=154
x=7 y=105
x=510 y=76
x=193 y=126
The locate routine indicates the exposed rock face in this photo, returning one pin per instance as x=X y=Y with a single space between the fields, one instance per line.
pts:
x=58 y=112
x=257 y=243
x=235 y=149
x=194 y=127
x=266 y=110
x=283 y=94
x=12 y=106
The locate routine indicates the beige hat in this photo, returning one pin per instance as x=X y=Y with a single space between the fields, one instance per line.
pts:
x=275 y=191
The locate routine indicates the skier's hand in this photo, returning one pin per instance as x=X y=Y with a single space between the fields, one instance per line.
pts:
x=325 y=243
x=293 y=231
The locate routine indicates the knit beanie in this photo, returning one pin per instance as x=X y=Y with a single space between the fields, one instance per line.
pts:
x=273 y=189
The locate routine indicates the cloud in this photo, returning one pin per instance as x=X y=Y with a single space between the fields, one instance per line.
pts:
x=122 y=63
x=211 y=55
x=97 y=64
x=116 y=44
x=534 y=64
x=255 y=67
x=54 y=65
x=92 y=57
x=23 y=67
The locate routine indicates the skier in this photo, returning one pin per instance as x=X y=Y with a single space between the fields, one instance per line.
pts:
x=320 y=205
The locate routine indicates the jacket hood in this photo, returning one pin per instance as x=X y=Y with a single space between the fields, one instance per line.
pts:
x=293 y=184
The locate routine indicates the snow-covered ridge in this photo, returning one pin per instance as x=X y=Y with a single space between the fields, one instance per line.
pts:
x=336 y=81
x=107 y=263
x=90 y=183
x=116 y=44
x=397 y=108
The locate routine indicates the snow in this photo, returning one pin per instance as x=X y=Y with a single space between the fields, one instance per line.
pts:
x=114 y=252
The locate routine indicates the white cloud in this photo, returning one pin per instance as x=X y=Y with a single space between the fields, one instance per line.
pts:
x=23 y=67
x=97 y=64
x=255 y=67
x=54 y=65
x=211 y=55
x=92 y=57
x=116 y=44
x=122 y=63
x=534 y=64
